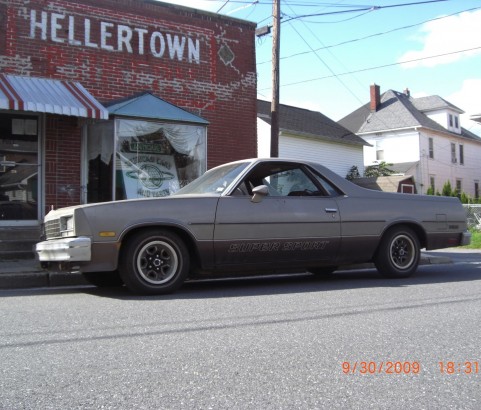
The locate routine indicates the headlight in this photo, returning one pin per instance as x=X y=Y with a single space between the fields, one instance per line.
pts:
x=67 y=226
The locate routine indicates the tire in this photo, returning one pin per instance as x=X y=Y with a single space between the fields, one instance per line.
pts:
x=103 y=279
x=154 y=262
x=399 y=253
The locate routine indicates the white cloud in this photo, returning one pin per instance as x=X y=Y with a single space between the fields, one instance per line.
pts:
x=469 y=100
x=446 y=35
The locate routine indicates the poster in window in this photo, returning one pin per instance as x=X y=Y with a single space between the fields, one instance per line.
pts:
x=148 y=175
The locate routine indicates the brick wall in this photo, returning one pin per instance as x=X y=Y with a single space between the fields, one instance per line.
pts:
x=62 y=161
x=200 y=61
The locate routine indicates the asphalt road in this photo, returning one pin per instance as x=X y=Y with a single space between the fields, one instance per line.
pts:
x=275 y=343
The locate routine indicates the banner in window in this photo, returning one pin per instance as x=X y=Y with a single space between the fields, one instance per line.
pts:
x=148 y=175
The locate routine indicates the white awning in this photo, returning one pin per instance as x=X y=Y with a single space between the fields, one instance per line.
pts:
x=50 y=96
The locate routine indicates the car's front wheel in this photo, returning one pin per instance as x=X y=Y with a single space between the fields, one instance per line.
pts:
x=399 y=253
x=154 y=262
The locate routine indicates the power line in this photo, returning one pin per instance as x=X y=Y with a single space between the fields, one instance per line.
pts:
x=370 y=36
x=367 y=8
x=378 y=67
x=322 y=61
x=225 y=4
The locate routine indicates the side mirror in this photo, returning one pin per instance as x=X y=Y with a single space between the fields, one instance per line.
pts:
x=259 y=193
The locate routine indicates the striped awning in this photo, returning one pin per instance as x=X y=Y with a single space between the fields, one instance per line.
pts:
x=50 y=96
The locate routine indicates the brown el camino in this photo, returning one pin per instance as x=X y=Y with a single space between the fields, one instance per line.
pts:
x=245 y=217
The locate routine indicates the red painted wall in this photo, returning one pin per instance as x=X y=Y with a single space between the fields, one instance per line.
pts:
x=117 y=48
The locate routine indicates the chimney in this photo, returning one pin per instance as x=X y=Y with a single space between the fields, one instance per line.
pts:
x=407 y=92
x=375 y=97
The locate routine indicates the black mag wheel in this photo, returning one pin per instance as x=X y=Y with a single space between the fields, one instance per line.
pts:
x=154 y=262
x=399 y=253
x=103 y=279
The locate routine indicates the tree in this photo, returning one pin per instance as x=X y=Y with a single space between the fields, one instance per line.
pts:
x=353 y=173
x=379 y=170
x=447 y=189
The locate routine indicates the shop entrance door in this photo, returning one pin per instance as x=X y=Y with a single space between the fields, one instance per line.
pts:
x=19 y=170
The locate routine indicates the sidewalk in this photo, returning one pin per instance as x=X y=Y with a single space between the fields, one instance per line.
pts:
x=27 y=273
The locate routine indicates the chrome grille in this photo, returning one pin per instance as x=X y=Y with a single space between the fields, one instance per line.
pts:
x=52 y=229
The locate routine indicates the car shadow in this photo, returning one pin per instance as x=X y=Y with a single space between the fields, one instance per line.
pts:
x=277 y=284
x=285 y=284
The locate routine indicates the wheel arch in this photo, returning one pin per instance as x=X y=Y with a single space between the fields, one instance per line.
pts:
x=399 y=251
x=414 y=226
x=181 y=232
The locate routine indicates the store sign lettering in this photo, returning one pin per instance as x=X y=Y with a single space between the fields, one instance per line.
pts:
x=61 y=28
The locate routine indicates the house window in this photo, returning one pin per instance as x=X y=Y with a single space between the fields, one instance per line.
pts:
x=379 y=151
x=432 y=183
x=431 y=148
x=476 y=189
x=453 y=153
x=459 y=186
x=456 y=122
x=461 y=154
x=450 y=120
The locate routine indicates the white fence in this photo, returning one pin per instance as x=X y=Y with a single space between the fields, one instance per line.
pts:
x=473 y=214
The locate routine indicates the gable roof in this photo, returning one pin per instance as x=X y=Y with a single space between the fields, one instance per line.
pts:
x=433 y=103
x=147 y=105
x=308 y=123
x=395 y=111
x=400 y=111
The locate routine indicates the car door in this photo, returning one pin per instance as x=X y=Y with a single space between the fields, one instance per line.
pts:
x=297 y=223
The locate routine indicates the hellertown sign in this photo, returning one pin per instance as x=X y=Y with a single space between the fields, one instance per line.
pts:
x=74 y=31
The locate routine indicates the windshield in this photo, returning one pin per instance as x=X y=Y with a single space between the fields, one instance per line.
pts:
x=214 y=181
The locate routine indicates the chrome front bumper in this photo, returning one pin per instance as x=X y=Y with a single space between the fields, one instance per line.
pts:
x=64 y=250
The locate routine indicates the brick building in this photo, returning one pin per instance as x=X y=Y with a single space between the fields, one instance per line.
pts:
x=114 y=99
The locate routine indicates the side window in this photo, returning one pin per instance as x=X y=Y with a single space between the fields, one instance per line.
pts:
x=292 y=182
x=285 y=179
x=328 y=187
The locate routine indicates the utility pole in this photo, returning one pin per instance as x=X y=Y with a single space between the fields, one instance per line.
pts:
x=276 y=41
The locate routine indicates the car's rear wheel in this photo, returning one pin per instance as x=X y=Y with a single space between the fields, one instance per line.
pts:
x=399 y=253
x=154 y=262
x=103 y=279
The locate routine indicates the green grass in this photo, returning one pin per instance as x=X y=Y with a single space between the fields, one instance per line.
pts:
x=475 y=240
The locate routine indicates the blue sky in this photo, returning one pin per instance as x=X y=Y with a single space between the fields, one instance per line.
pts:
x=329 y=61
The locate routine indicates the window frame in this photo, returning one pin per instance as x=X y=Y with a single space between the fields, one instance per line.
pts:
x=453 y=153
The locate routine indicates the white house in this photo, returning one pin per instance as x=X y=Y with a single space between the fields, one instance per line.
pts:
x=309 y=135
x=422 y=137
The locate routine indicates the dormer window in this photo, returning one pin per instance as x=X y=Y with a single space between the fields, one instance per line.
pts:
x=450 y=120
x=456 y=122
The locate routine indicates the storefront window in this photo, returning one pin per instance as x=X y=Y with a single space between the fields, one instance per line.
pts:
x=152 y=159
x=18 y=168
x=100 y=149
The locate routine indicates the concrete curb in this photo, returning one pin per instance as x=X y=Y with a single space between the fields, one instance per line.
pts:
x=27 y=273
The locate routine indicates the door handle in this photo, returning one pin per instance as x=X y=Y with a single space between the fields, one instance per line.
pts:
x=331 y=210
